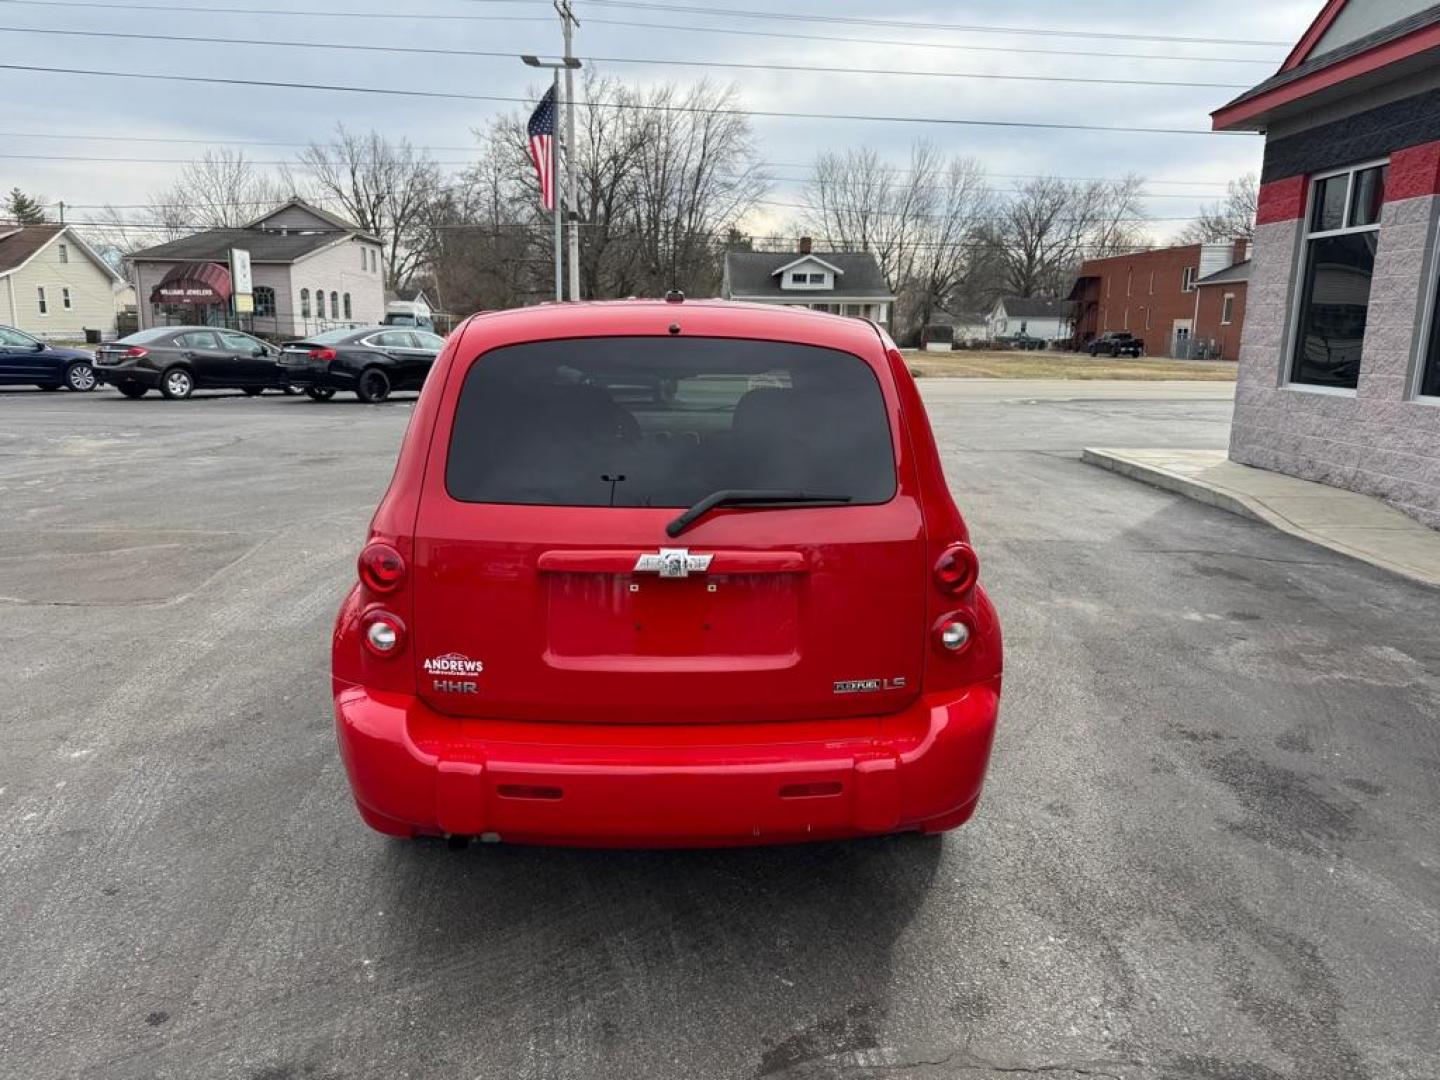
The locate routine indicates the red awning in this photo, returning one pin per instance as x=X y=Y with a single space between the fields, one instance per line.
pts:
x=193 y=283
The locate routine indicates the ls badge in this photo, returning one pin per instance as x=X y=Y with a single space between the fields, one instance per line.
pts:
x=869 y=686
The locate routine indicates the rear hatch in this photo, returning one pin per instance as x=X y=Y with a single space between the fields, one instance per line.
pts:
x=547 y=588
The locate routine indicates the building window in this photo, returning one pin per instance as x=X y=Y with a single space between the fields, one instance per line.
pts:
x=1148 y=311
x=1187 y=279
x=319 y=303
x=44 y=304
x=364 y=258
x=799 y=279
x=304 y=303
x=1227 y=309
x=64 y=252
x=348 y=315
x=1430 y=372
x=1125 y=319
x=1339 y=263
x=265 y=301
x=334 y=305
x=65 y=300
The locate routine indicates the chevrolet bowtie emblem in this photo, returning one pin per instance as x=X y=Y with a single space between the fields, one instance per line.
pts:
x=673 y=563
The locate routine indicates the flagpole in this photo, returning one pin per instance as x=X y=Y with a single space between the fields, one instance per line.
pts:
x=555 y=187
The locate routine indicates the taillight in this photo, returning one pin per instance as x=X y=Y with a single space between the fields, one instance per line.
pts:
x=381 y=568
x=952 y=633
x=957 y=569
x=135 y=352
x=384 y=632
x=321 y=354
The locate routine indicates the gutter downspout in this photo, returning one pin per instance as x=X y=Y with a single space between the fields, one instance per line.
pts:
x=1195 y=320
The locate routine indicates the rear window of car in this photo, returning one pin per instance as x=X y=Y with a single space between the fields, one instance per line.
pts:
x=664 y=422
x=333 y=337
x=141 y=337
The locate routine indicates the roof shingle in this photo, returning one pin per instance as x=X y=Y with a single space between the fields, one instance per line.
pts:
x=19 y=242
x=752 y=274
x=264 y=247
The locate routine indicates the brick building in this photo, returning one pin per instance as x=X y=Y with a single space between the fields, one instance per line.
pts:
x=1157 y=296
x=1339 y=375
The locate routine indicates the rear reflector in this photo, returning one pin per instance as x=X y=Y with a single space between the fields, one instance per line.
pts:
x=817 y=790
x=529 y=791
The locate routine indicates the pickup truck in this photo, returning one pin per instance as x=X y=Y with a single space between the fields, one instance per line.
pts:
x=1116 y=343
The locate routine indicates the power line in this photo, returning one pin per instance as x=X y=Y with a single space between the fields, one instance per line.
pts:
x=214 y=144
x=291 y=13
x=902 y=24
x=731 y=64
x=620 y=105
x=508 y=231
x=948 y=45
x=674 y=9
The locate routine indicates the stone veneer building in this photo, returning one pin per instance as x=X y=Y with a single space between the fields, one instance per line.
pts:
x=1340 y=358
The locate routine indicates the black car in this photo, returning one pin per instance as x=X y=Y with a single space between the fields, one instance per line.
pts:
x=1116 y=343
x=178 y=360
x=372 y=361
x=28 y=361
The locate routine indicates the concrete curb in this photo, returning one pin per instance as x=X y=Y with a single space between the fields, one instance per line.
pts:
x=1131 y=464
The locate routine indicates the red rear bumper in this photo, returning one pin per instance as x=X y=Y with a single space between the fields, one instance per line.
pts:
x=415 y=771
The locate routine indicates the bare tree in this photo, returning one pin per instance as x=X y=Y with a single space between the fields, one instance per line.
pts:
x=1231 y=219
x=384 y=187
x=921 y=223
x=664 y=176
x=697 y=173
x=1049 y=225
x=219 y=190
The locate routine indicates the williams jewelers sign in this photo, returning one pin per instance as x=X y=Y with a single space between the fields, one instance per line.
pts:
x=188 y=292
x=194 y=283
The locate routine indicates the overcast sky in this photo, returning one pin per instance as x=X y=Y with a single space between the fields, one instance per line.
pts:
x=65 y=103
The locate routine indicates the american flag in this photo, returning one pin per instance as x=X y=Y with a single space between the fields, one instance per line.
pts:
x=542 y=137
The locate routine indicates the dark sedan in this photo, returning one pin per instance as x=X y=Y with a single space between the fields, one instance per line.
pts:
x=178 y=360
x=28 y=361
x=372 y=361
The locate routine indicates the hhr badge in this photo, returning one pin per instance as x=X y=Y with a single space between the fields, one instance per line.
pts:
x=673 y=563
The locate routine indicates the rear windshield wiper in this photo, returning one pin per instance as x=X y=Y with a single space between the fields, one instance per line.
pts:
x=729 y=497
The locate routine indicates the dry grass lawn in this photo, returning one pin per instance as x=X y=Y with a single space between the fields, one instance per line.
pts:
x=1053 y=365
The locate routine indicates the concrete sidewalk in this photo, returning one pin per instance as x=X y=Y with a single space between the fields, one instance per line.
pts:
x=1343 y=521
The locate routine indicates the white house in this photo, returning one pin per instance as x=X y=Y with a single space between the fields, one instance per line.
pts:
x=1014 y=316
x=312 y=271
x=840 y=282
x=53 y=285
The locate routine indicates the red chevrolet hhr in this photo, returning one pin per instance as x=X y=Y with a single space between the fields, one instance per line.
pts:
x=667 y=574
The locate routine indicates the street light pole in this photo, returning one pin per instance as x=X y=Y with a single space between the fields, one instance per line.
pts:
x=555 y=174
x=569 y=22
x=566 y=63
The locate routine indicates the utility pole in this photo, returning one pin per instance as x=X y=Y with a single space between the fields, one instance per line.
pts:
x=568 y=23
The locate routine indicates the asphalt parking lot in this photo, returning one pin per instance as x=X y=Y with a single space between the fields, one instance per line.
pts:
x=1208 y=848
